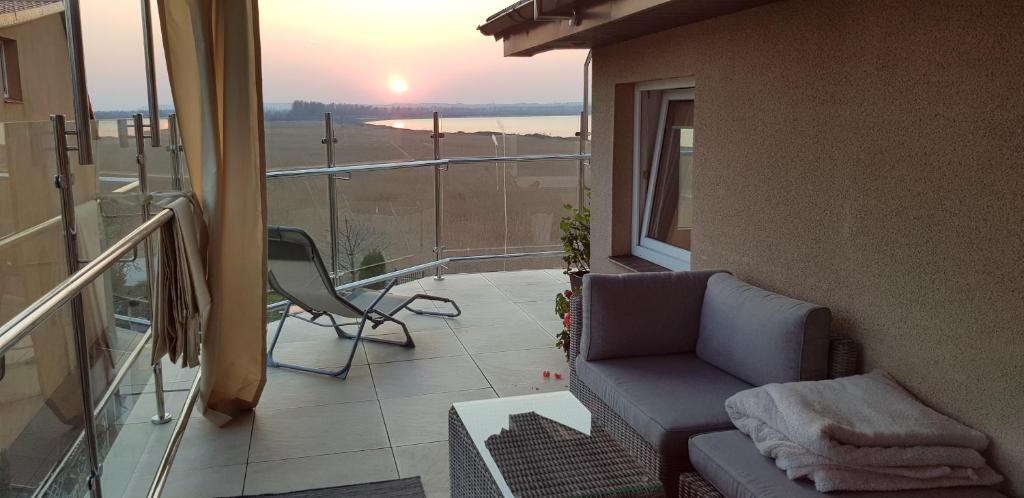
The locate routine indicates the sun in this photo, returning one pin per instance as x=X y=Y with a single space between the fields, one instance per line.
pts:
x=397 y=84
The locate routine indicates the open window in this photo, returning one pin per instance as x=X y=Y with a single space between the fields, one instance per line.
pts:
x=10 y=71
x=663 y=176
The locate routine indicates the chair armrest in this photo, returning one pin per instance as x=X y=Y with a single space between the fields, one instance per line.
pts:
x=641 y=314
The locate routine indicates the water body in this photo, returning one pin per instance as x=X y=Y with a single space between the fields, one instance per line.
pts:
x=554 y=126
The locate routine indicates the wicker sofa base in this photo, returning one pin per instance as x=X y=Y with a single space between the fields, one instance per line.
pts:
x=692 y=485
x=666 y=468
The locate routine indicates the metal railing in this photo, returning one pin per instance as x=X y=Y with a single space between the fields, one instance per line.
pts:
x=83 y=274
x=332 y=172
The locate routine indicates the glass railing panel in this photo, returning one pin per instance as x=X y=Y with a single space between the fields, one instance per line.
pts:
x=40 y=405
x=301 y=202
x=134 y=444
x=537 y=194
x=385 y=222
x=506 y=207
x=475 y=214
x=364 y=143
x=294 y=144
x=31 y=238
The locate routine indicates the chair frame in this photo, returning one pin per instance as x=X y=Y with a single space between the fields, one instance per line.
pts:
x=370 y=314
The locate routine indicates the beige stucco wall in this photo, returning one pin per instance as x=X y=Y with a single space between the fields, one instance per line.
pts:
x=868 y=156
x=45 y=73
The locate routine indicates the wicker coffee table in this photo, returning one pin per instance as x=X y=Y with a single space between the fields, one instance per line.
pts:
x=538 y=445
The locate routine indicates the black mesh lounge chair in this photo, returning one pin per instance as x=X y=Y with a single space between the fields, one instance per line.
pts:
x=296 y=271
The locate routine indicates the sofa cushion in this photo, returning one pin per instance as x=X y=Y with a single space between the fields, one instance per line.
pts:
x=731 y=463
x=760 y=336
x=665 y=398
x=641 y=314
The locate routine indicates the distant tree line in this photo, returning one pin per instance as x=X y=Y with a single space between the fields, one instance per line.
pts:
x=304 y=110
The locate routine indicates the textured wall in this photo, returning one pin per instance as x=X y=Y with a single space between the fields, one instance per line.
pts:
x=45 y=71
x=868 y=156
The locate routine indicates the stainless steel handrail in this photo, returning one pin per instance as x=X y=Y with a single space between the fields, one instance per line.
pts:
x=425 y=163
x=25 y=321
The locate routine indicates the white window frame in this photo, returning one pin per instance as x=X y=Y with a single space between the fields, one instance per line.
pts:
x=655 y=251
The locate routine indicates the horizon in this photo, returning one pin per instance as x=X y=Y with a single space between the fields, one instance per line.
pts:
x=424 y=55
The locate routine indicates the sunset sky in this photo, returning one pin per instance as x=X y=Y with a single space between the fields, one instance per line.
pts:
x=358 y=51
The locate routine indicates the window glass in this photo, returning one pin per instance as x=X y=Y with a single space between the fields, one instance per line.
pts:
x=670 y=217
x=663 y=193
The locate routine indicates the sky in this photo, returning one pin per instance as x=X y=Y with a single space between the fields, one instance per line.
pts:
x=354 y=51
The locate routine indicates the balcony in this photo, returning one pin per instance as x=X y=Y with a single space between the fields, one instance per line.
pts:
x=388 y=419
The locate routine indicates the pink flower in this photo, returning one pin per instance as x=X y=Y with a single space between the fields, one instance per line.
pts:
x=568 y=294
x=546 y=374
x=558 y=376
x=567 y=321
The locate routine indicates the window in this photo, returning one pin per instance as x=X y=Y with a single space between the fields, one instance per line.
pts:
x=663 y=175
x=10 y=71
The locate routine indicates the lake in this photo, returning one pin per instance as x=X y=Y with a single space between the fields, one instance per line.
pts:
x=554 y=126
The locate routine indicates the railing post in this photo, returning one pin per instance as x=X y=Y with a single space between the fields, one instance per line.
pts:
x=436 y=136
x=154 y=105
x=80 y=90
x=65 y=183
x=175 y=149
x=332 y=197
x=161 y=417
x=584 y=131
x=580 y=171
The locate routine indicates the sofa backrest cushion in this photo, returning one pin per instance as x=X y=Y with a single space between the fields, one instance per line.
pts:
x=762 y=337
x=641 y=314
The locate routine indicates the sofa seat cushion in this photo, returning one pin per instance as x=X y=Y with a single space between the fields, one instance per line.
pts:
x=731 y=463
x=666 y=398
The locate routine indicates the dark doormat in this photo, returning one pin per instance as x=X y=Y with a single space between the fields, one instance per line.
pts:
x=410 y=487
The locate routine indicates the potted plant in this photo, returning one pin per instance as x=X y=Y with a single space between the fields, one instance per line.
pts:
x=575 y=226
x=562 y=309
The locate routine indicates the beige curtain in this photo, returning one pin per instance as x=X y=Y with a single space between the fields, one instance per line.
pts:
x=213 y=60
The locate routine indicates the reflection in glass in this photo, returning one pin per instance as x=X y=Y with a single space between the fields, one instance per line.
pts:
x=670 y=217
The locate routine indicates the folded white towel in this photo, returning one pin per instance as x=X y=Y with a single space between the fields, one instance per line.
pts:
x=860 y=433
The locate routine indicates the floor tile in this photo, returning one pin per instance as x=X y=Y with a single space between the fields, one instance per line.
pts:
x=504 y=278
x=291 y=389
x=317 y=430
x=489 y=314
x=429 y=344
x=436 y=375
x=145 y=405
x=202 y=483
x=328 y=352
x=504 y=337
x=430 y=462
x=281 y=476
x=544 y=292
x=423 y=419
x=514 y=373
x=206 y=445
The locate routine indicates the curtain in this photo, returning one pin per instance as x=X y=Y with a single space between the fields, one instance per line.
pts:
x=213 y=61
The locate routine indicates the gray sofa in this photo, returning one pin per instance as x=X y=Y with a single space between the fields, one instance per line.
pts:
x=658 y=354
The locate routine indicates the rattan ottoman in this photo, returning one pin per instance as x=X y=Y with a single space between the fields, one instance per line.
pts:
x=539 y=445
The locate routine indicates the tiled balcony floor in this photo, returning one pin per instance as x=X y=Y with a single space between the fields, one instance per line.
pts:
x=389 y=418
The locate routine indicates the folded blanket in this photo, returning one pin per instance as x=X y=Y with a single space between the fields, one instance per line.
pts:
x=860 y=433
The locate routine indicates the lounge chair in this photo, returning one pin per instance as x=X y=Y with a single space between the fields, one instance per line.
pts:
x=296 y=271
